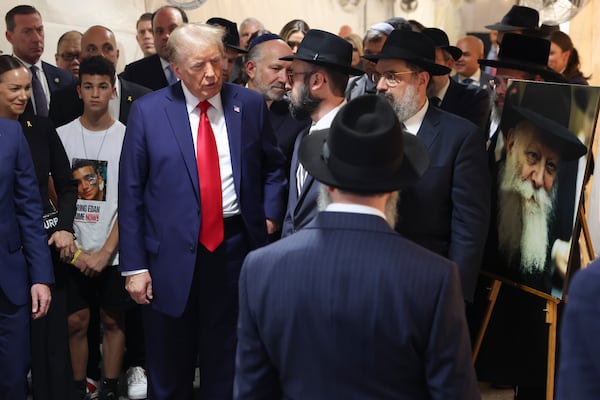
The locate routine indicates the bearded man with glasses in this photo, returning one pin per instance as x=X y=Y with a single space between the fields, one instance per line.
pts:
x=316 y=82
x=447 y=211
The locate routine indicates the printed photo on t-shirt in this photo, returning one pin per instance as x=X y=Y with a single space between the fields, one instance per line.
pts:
x=91 y=178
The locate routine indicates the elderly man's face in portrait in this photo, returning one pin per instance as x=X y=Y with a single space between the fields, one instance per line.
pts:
x=89 y=183
x=526 y=194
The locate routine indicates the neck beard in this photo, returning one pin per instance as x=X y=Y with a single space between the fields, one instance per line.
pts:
x=391 y=205
x=305 y=105
x=523 y=219
x=405 y=106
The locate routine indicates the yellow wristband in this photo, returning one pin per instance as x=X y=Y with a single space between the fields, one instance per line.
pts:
x=77 y=253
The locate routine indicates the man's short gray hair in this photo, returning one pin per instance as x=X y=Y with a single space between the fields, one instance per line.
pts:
x=186 y=36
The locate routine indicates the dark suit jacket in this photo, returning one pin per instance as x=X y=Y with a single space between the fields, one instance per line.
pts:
x=448 y=210
x=147 y=72
x=159 y=199
x=359 y=85
x=301 y=209
x=347 y=309
x=468 y=102
x=57 y=78
x=23 y=243
x=49 y=158
x=66 y=104
x=286 y=128
x=484 y=82
x=579 y=364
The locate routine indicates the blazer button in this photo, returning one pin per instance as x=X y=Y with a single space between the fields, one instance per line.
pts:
x=192 y=248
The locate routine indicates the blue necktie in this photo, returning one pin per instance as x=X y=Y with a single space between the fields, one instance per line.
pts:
x=39 y=96
x=172 y=78
x=467 y=81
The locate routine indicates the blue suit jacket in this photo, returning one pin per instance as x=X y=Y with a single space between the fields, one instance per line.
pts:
x=448 y=210
x=301 y=208
x=579 y=361
x=24 y=253
x=348 y=309
x=159 y=200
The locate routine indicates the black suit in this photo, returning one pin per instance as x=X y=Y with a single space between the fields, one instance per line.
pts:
x=468 y=102
x=57 y=79
x=286 y=128
x=66 y=104
x=147 y=72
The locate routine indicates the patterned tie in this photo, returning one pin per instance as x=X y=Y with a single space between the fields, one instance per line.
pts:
x=171 y=75
x=209 y=177
x=39 y=96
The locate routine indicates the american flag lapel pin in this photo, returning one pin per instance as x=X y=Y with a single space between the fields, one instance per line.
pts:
x=236 y=109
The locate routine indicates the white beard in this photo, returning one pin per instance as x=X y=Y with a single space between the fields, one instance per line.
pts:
x=391 y=208
x=523 y=218
x=405 y=106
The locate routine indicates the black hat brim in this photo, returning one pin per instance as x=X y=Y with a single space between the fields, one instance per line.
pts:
x=414 y=164
x=236 y=48
x=548 y=74
x=504 y=27
x=556 y=135
x=335 y=66
x=432 y=68
x=454 y=51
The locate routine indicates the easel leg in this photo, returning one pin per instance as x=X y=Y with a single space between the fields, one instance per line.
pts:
x=486 y=320
x=551 y=319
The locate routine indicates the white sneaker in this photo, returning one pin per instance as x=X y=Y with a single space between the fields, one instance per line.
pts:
x=91 y=388
x=137 y=383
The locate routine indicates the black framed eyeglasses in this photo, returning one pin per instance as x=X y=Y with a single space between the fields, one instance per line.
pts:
x=69 y=56
x=291 y=75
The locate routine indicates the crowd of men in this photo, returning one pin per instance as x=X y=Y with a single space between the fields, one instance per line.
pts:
x=288 y=224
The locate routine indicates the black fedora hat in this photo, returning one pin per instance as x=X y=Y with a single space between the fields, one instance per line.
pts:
x=525 y=53
x=518 y=18
x=440 y=39
x=548 y=107
x=414 y=47
x=232 y=36
x=365 y=150
x=326 y=49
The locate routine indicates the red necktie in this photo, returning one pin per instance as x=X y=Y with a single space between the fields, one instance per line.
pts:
x=209 y=177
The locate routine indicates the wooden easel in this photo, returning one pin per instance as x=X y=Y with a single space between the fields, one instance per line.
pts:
x=550 y=310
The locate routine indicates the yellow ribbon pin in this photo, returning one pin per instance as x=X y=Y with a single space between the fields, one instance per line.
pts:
x=129 y=99
x=29 y=124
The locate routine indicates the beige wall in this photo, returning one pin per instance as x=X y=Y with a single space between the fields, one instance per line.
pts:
x=456 y=17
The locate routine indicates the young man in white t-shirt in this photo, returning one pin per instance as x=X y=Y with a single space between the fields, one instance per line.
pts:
x=93 y=145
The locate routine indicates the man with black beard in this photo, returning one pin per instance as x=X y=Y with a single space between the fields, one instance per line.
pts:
x=316 y=83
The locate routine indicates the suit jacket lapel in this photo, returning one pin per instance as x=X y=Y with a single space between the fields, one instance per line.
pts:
x=232 y=109
x=429 y=128
x=176 y=113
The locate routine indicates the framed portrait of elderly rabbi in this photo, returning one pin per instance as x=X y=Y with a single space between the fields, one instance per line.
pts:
x=539 y=166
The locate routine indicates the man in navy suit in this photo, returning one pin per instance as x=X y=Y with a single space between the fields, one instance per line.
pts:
x=180 y=260
x=316 y=83
x=25 y=32
x=467 y=68
x=346 y=308
x=579 y=361
x=154 y=71
x=470 y=103
x=448 y=210
x=26 y=267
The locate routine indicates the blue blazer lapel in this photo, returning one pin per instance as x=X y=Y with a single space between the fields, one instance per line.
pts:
x=176 y=113
x=430 y=127
x=233 y=110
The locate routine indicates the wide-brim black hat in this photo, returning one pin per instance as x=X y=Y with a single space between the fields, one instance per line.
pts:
x=365 y=150
x=517 y=18
x=232 y=36
x=524 y=53
x=548 y=107
x=441 y=41
x=413 y=47
x=325 y=49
